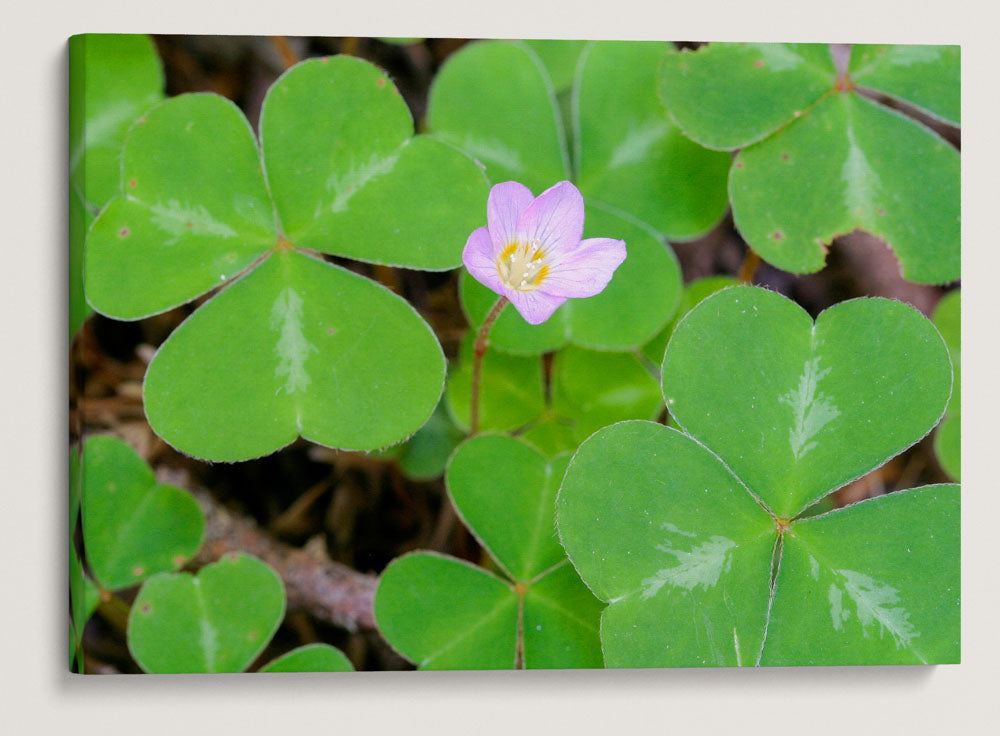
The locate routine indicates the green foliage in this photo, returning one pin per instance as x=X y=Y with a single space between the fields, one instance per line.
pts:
x=593 y=389
x=842 y=597
x=349 y=177
x=609 y=539
x=683 y=534
x=301 y=365
x=589 y=389
x=551 y=435
x=796 y=408
x=924 y=76
x=511 y=389
x=443 y=613
x=311 y=658
x=425 y=454
x=219 y=620
x=82 y=595
x=289 y=346
x=948 y=440
x=559 y=58
x=133 y=527
x=113 y=79
x=692 y=295
x=641 y=179
x=819 y=159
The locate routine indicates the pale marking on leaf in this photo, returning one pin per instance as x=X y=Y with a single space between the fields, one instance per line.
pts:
x=493 y=151
x=700 y=565
x=874 y=603
x=101 y=128
x=862 y=184
x=247 y=209
x=636 y=145
x=736 y=644
x=910 y=55
x=177 y=219
x=812 y=410
x=292 y=347
x=346 y=184
x=778 y=57
x=814 y=567
x=209 y=636
x=673 y=529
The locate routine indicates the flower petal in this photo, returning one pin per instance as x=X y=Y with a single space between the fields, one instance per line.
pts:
x=586 y=270
x=478 y=259
x=534 y=306
x=503 y=208
x=554 y=219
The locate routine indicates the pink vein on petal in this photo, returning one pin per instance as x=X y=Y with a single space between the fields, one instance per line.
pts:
x=507 y=201
x=478 y=259
x=535 y=306
x=554 y=219
x=586 y=270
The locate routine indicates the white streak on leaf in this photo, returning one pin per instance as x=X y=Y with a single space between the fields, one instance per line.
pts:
x=861 y=184
x=673 y=529
x=102 y=128
x=701 y=565
x=292 y=347
x=778 y=57
x=178 y=219
x=836 y=598
x=492 y=151
x=345 y=184
x=812 y=410
x=909 y=55
x=875 y=603
x=209 y=643
x=636 y=145
x=209 y=638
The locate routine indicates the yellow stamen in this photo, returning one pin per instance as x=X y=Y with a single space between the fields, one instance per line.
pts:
x=521 y=266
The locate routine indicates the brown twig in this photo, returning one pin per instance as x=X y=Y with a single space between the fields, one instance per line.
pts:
x=313 y=582
x=288 y=56
x=328 y=590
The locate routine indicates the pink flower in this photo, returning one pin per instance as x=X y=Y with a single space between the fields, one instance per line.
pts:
x=531 y=251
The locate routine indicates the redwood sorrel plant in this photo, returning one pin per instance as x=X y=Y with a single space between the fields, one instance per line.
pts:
x=554 y=450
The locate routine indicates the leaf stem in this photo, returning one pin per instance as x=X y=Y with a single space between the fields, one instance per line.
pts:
x=749 y=267
x=479 y=350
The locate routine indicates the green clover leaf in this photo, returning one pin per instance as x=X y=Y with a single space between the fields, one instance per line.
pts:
x=702 y=543
x=113 y=79
x=444 y=613
x=219 y=620
x=818 y=159
x=291 y=345
x=948 y=439
x=133 y=527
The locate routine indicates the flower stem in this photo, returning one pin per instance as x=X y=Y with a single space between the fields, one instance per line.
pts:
x=479 y=350
x=749 y=267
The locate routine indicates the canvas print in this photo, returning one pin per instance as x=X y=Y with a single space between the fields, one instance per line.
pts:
x=512 y=354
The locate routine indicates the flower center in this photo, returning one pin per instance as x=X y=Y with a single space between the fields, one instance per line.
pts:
x=522 y=266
